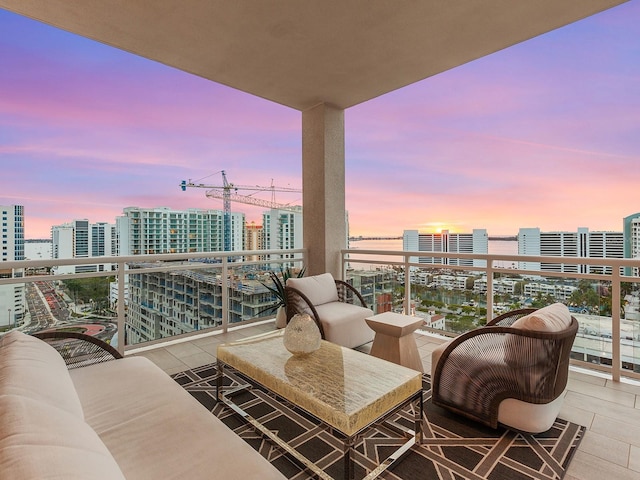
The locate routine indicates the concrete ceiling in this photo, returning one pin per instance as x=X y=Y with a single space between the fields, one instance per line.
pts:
x=300 y=53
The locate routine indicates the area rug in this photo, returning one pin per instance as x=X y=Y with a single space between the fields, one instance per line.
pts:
x=453 y=449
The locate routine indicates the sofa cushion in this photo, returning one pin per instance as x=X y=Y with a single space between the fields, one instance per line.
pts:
x=345 y=324
x=156 y=430
x=319 y=289
x=41 y=442
x=524 y=352
x=33 y=368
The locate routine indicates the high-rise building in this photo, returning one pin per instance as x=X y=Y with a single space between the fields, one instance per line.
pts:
x=146 y=231
x=81 y=239
x=282 y=230
x=445 y=242
x=582 y=243
x=253 y=239
x=631 y=234
x=12 y=297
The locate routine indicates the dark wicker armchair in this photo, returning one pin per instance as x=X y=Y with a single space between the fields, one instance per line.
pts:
x=498 y=374
x=78 y=349
x=337 y=308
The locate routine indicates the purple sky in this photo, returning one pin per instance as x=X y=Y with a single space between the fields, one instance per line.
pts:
x=544 y=134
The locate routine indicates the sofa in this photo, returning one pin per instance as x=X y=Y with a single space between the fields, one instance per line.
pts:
x=122 y=419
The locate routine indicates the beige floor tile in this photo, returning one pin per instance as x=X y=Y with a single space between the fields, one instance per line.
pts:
x=634 y=459
x=615 y=396
x=163 y=359
x=589 y=467
x=617 y=429
x=183 y=349
x=198 y=359
x=576 y=415
x=623 y=386
x=605 y=447
x=605 y=408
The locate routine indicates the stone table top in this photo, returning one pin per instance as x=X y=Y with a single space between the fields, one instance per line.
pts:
x=344 y=388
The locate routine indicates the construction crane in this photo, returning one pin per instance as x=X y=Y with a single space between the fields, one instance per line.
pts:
x=228 y=192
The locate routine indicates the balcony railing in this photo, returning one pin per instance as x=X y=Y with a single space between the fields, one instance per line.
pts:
x=458 y=291
x=166 y=295
x=176 y=295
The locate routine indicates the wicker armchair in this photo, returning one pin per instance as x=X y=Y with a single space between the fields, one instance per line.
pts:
x=337 y=308
x=78 y=349
x=499 y=374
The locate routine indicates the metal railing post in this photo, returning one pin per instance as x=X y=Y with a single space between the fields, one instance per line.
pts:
x=407 y=286
x=121 y=307
x=224 y=280
x=489 y=289
x=616 y=337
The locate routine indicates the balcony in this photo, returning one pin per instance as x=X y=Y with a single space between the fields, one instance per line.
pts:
x=321 y=85
x=604 y=391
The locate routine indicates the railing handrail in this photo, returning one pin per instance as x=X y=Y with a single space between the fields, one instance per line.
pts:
x=612 y=272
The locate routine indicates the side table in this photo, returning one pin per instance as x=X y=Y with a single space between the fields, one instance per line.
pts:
x=394 y=339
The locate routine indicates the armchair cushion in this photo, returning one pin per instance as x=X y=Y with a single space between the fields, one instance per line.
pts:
x=319 y=289
x=552 y=318
x=345 y=324
x=522 y=352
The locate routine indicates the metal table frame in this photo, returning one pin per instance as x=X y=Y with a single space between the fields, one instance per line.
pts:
x=415 y=436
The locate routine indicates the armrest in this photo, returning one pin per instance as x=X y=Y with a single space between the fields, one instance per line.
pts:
x=79 y=349
x=507 y=319
x=344 y=289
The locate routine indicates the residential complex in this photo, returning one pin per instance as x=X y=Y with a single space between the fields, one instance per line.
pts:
x=582 y=243
x=163 y=230
x=631 y=232
x=445 y=242
x=12 y=297
x=81 y=239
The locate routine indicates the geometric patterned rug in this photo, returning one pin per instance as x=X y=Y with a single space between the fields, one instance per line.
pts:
x=453 y=448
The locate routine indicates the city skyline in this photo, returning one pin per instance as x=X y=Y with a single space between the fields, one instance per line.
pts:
x=541 y=134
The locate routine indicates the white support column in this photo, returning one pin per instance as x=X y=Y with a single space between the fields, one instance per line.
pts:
x=323 y=184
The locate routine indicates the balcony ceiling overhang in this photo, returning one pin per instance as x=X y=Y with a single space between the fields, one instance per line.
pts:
x=300 y=53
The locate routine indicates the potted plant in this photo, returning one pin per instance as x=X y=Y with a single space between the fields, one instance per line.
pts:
x=278 y=283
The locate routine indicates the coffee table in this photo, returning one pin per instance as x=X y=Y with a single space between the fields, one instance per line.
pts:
x=346 y=390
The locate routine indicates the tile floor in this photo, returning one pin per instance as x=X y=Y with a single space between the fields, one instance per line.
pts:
x=609 y=410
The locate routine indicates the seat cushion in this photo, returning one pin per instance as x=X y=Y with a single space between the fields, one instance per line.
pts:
x=39 y=441
x=344 y=323
x=319 y=289
x=156 y=430
x=32 y=368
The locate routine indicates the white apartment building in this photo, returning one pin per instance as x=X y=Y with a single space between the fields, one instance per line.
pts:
x=145 y=231
x=282 y=230
x=81 y=239
x=12 y=297
x=631 y=234
x=582 y=243
x=474 y=243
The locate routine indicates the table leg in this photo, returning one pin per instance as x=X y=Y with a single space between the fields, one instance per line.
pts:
x=349 y=471
x=219 y=381
x=418 y=413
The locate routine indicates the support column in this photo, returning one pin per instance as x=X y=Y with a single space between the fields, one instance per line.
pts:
x=323 y=184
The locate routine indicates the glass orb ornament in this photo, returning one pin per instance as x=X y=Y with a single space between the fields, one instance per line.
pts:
x=301 y=335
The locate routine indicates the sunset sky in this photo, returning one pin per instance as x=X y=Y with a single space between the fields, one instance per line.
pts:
x=543 y=134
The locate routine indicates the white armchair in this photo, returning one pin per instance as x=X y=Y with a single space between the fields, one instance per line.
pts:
x=337 y=308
